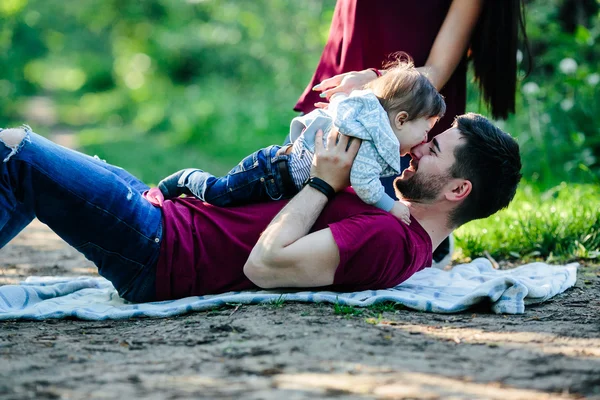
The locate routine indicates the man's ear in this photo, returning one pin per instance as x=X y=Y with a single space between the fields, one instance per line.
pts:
x=460 y=189
x=400 y=118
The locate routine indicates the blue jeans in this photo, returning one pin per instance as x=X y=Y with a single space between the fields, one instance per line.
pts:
x=95 y=207
x=261 y=176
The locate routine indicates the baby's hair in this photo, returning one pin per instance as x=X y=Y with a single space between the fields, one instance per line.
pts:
x=404 y=88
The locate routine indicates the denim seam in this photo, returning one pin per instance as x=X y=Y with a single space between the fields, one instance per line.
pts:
x=95 y=206
x=108 y=251
x=151 y=264
x=254 y=165
x=126 y=288
x=236 y=188
x=275 y=177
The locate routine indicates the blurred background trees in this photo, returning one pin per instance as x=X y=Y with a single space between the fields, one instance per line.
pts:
x=158 y=85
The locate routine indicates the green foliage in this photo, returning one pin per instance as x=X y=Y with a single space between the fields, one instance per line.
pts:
x=559 y=102
x=207 y=82
x=561 y=224
x=216 y=76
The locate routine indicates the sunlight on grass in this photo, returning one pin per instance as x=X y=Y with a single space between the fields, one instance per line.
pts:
x=557 y=225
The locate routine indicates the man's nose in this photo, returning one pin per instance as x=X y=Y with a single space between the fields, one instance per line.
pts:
x=418 y=150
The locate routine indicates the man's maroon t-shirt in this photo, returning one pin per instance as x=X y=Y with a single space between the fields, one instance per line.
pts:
x=204 y=248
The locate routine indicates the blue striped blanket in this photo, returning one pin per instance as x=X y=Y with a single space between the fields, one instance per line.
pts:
x=431 y=290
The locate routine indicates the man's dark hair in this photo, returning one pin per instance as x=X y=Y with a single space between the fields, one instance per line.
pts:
x=489 y=158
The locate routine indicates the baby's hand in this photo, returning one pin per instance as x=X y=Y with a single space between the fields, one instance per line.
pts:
x=155 y=197
x=400 y=211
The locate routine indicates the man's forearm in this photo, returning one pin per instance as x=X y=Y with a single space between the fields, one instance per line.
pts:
x=293 y=222
x=286 y=254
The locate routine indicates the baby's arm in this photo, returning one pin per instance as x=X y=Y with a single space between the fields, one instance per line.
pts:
x=332 y=106
x=385 y=203
x=364 y=178
x=400 y=211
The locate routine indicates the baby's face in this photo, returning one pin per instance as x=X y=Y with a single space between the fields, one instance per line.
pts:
x=414 y=132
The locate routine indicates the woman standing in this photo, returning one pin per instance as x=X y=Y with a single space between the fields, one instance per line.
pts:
x=441 y=36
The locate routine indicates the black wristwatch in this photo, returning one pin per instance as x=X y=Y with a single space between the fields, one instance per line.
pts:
x=321 y=186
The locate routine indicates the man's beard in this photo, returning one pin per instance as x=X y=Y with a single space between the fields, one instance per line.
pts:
x=420 y=188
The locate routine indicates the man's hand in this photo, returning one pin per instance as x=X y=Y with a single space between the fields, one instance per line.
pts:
x=286 y=254
x=400 y=211
x=344 y=83
x=333 y=162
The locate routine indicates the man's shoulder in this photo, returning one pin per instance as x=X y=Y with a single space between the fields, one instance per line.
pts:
x=375 y=219
x=348 y=199
x=347 y=205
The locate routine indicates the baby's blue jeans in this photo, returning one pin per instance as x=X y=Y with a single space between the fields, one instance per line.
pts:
x=261 y=176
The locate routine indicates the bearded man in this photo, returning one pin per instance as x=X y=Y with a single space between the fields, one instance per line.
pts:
x=323 y=237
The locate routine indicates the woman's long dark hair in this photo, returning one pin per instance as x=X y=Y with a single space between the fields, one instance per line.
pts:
x=493 y=51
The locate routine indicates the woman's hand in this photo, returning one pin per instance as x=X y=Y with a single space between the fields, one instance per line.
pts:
x=345 y=83
x=332 y=162
x=155 y=197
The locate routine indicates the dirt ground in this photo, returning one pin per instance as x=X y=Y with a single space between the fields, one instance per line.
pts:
x=297 y=351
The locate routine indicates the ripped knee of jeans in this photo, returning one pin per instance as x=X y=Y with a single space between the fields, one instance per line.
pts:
x=13 y=138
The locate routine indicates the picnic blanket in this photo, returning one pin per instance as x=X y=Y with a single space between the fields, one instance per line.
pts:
x=431 y=290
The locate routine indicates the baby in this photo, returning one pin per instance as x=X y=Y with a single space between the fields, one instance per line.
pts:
x=391 y=115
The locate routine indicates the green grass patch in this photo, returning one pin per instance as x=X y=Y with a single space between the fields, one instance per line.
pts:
x=347 y=311
x=372 y=313
x=276 y=303
x=386 y=306
x=561 y=224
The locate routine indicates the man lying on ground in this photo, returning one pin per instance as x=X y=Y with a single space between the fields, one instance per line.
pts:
x=325 y=236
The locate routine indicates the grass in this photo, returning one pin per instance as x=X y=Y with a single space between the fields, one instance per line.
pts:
x=372 y=313
x=276 y=303
x=347 y=311
x=558 y=225
x=387 y=306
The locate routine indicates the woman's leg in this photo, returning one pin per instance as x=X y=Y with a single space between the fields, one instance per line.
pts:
x=95 y=207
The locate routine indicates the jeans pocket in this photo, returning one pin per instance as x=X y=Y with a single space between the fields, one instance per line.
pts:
x=273 y=188
x=247 y=164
